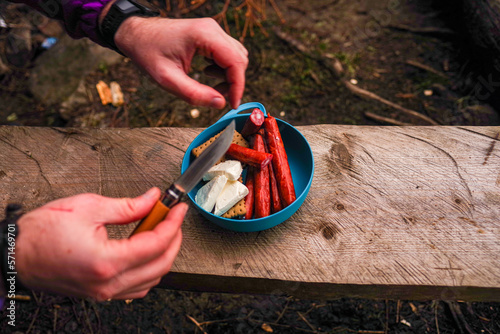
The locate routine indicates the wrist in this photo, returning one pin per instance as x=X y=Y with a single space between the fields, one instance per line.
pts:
x=115 y=14
x=129 y=31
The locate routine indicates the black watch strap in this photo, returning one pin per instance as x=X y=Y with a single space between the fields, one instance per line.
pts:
x=118 y=12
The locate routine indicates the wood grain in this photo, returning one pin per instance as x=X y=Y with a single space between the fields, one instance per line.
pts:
x=393 y=212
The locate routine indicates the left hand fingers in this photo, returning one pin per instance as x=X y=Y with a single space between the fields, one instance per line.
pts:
x=145 y=276
x=141 y=289
x=145 y=247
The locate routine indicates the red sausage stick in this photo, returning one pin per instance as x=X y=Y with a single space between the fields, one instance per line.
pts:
x=280 y=161
x=253 y=123
x=249 y=156
x=262 y=204
x=249 y=199
x=275 y=194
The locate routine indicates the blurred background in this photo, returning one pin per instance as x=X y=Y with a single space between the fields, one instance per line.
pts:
x=362 y=62
x=346 y=62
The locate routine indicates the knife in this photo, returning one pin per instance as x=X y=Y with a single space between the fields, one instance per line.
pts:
x=188 y=180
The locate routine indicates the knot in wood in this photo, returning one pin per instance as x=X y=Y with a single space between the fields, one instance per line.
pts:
x=329 y=231
x=99 y=147
x=340 y=158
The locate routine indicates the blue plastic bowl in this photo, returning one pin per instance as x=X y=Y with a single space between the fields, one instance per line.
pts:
x=300 y=158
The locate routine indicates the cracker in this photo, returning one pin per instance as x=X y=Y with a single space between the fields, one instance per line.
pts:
x=239 y=209
x=237 y=139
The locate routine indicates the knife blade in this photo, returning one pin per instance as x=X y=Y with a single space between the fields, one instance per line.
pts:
x=188 y=180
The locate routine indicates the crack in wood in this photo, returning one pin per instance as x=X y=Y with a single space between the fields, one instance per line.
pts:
x=455 y=164
x=479 y=133
x=490 y=149
x=30 y=156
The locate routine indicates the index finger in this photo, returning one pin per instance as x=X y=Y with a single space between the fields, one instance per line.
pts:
x=235 y=64
x=236 y=79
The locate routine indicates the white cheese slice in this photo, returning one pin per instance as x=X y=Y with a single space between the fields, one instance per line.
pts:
x=232 y=193
x=208 y=194
x=230 y=168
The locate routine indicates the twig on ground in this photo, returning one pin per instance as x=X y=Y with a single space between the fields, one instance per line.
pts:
x=314 y=307
x=54 y=326
x=36 y=297
x=87 y=318
x=160 y=120
x=96 y=312
x=337 y=69
x=422 y=30
x=436 y=316
x=283 y=311
x=372 y=96
x=113 y=117
x=222 y=16
x=196 y=323
x=21 y=298
x=295 y=329
x=427 y=68
x=210 y=322
x=33 y=320
x=459 y=317
x=125 y=114
x=386 y=327
x=194 y=5
x=360 y=331
x=145 y=114
x=398 y=309
x=306 y=321
x=385 y=120
x=277 y=10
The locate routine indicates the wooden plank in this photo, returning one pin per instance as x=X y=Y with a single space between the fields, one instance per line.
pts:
x=393 y=212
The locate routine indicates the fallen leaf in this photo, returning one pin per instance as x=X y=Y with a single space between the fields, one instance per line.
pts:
x=404 y=322
x=266 y=328
x=104 y=92
x=116 y=94
x=406 y=95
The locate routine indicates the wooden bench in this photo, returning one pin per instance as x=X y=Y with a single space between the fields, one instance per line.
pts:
x=393 y=212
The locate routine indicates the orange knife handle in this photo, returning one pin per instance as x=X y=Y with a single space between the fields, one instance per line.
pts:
x=157 y=214
x=160 y=210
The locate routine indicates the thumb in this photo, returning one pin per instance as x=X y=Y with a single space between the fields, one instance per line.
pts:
x=190 y=90
x=127 y=210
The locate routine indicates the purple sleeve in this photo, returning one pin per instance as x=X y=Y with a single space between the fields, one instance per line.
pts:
x=79 y=16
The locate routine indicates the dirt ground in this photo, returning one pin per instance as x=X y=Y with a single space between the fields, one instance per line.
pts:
x=415 y=54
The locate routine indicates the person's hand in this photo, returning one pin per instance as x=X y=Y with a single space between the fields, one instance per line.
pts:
x=63 y=247
x=164 y=48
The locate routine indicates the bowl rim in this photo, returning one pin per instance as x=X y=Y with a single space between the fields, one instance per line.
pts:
x=236 y=113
